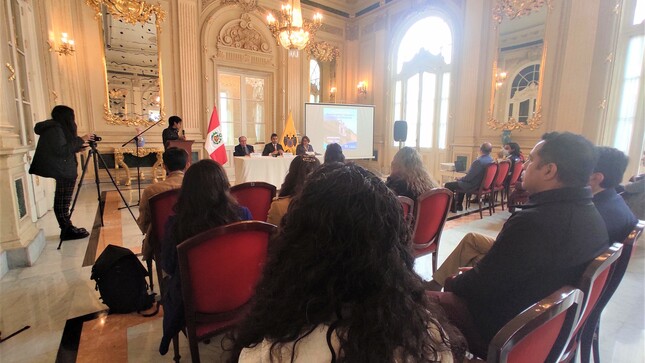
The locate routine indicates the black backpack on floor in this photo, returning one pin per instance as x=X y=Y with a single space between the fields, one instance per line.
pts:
x=121 y=279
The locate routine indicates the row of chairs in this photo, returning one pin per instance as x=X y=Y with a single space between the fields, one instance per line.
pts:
x=567 y=322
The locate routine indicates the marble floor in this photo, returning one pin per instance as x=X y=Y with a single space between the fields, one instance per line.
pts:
x=57 y=295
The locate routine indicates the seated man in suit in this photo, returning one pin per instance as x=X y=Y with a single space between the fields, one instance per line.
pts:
x=618 y=219
x=174 y=161
x=541 y=248
x=243 y=149
x=473 y=178
x=273 y=149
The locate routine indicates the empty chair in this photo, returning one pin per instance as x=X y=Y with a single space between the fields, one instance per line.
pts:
x=591 y=330
x=219 y=270
x=591 y=284
x=485 y=189
x=539 y=333
x=256 y=196
x=498 y=184
x=430 y=214
x=408 y=206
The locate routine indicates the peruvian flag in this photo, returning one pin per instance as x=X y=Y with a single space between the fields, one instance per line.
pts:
x=215 y=141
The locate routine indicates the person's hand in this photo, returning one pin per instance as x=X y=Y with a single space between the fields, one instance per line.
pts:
x=87 y=137
x=464 y=269
x=280 y=152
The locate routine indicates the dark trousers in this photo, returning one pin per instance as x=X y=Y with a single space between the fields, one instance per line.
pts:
x=459 y=197
x=62 y=201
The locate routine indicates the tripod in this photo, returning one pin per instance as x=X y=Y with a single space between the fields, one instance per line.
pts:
x=94 y=155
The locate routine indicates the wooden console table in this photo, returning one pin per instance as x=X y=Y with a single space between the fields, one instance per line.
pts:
x=157 y=168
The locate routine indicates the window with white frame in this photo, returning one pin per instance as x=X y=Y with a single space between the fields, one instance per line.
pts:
x=314 y=81
x=422 y=81
x=242 y=106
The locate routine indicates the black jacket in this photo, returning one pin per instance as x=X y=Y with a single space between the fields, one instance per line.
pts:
x=541 y=248
x=239 y=151
x=55 y=157
x=268 y=149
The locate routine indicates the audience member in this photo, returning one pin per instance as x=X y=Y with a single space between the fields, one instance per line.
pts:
x=334 y=153
x=172 y=131
x=633 y=192
x=608 y=173
x=339 y=283
x=618 y=219
x=472 y=179
x=274 y=149
x=204 y=202
x=408 y=176
x=174 y=161
x=544 y=246
x=242 y=149
x=300 y=167
x=55 y=157
x=304 y=146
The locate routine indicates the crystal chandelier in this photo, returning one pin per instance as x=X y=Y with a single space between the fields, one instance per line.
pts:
x=290 y=30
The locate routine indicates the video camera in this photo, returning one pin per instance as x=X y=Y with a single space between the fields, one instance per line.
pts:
x=92 y=143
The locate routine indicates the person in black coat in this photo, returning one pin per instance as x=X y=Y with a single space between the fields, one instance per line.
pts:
x=172 y=131
x=273 y=149
x=243 y=149
x=55 y=157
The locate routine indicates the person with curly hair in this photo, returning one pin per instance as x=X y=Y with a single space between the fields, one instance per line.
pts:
x=204 y=202
x=300 y=167
x=339 y=283
x=408 y=176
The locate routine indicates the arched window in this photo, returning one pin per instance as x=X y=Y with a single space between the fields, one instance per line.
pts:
x=314 y=81
x=524 y=92
x=422 y=81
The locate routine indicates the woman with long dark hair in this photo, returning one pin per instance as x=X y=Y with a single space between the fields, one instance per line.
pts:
x=55 y=157
x=300 y=167
x=408 y=176
x=334 y=153
x=204 y=202
x=339 y=283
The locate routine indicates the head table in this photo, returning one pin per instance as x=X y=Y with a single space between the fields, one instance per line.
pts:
x=264 y=168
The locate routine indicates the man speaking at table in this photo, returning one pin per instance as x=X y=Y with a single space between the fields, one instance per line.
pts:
x=243 y=149
x=274 y=149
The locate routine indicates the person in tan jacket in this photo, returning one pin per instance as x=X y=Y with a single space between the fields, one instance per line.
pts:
x=175 y=161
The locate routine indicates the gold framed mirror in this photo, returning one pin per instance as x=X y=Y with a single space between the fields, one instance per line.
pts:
x=130 y=31
x=519 y=64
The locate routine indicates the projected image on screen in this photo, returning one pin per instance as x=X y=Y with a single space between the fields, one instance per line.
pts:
x=341 y=127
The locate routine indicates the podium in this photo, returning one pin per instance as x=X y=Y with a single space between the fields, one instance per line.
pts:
x=186 y=145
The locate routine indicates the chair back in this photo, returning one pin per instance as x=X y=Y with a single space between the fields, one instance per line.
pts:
x=489 y=178
x=161 y=208
x=502 y=172
x=516 y=172
x=256 y=196
x=540 y=332
x=430 y=214
x=407 y=204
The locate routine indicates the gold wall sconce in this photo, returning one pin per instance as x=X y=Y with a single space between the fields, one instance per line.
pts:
x=66 y=46
x=362 y=88
x=332 y=94
x=500 y=77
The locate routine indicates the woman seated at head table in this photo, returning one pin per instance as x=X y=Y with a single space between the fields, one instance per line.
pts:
x=304 y=147
x=339 y=283
x=204 y=202
x=300 y=167
x=408 y=176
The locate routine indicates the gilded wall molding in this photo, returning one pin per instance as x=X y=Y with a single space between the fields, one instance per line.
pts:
x=322 y=51
x=240 y=33
x=246 y=5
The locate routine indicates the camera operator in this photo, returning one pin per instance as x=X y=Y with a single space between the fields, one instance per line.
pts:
x=55 y=157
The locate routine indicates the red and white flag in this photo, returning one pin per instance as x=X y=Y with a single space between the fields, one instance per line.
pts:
x=215 y=141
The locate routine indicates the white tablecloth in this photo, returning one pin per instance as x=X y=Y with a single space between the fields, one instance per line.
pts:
x=266 y=168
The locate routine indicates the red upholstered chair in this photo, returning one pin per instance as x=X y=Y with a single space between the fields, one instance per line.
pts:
x=408 y=206
x=485 y=189
x=256 y=196
x=219 y=270
x=539 y=333
x=592 y=283
x=430 y=214
x=498 y=184
x=161 y=208
x=514 y=177
x=591 y=329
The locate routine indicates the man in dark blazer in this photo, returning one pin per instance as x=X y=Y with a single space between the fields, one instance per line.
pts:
x=473 y=178
x=273 y=149
x=243 y=149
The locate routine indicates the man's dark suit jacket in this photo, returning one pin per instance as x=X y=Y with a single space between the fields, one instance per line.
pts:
x=473 y=178
x=239 y=150
x=619 y=219
x=268 y=149
x=541 y=248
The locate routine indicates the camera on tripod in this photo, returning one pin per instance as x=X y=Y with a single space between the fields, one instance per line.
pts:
x=92 y=143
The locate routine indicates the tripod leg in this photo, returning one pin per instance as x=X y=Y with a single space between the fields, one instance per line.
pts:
x=116 y=186
x=97 y=181
x=78 y=190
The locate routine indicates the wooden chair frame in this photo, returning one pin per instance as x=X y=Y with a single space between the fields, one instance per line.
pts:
x=483 y=191
x=418 y=220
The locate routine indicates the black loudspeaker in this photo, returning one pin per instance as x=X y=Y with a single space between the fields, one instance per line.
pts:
x=400 y=130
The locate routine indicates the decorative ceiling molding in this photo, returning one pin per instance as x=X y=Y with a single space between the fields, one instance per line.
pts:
x=246 y=5
x=322 y=51
x=240 y=33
